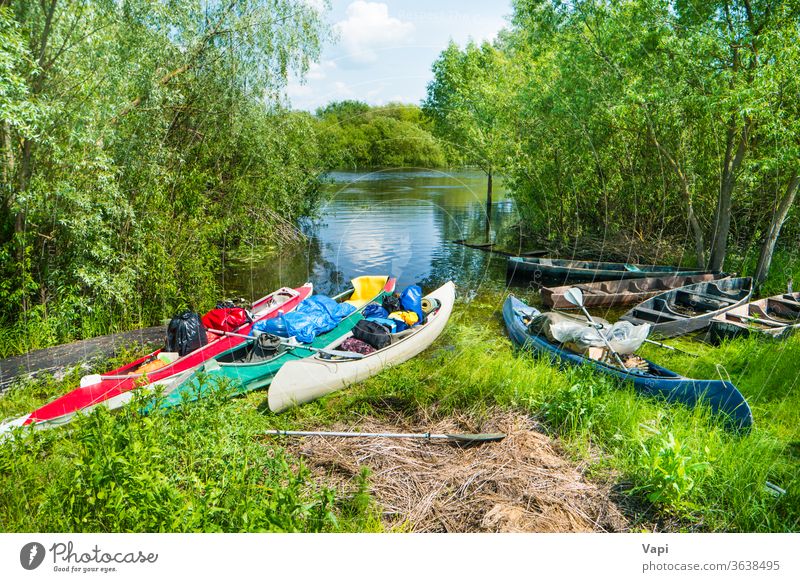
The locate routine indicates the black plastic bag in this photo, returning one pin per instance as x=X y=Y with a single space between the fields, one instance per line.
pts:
x=186 y=333
x=372 y=333
x=391 y=303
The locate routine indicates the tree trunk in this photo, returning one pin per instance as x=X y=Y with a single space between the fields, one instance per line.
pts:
x=778 y=218
x=722 y=220
x=694 y=225
x=488 y=205
x=489 y=194
x=8 y=164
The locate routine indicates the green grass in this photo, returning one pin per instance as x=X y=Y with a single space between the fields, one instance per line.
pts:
x=201 y=469
x=198 y=469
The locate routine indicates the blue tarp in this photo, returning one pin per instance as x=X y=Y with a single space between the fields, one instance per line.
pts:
x=314 y=316
x=374 y=310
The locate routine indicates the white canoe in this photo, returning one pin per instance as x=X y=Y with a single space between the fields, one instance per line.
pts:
x=305 y=380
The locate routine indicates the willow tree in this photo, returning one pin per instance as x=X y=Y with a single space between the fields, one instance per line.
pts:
x=158 y=139
x=468 y=100
x=659 y=118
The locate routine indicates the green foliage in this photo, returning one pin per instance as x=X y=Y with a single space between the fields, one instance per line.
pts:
x=572 y=409
x=393 y=135
x=668 y=472
x=197 y=469
x=640 y=121
x=468 y=101
x=135 y=157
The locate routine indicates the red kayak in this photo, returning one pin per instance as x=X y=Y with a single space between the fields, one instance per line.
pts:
x=115 y=387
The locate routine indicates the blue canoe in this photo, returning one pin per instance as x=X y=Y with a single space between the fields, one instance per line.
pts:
x=723 y=397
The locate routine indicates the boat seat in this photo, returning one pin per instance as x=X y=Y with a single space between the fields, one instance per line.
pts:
x=714 y=291
x=365 y=289
x=790 y=303
x=757 y=315
x=654 y=315
x=758 y=311
x=782 y=311
x=665 y=306
x=714 y=298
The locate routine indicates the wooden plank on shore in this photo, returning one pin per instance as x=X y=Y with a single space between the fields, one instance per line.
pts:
x=57 y=358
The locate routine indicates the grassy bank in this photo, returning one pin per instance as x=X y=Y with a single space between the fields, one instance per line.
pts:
x=200 y=469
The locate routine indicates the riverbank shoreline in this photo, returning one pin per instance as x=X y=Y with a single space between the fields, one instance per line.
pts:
x=204 y=466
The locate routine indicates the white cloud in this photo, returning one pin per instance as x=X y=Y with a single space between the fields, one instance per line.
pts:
x=342 y=90
x=317 y=71
x=318 y=5
x=295 y=90
x=368 y=27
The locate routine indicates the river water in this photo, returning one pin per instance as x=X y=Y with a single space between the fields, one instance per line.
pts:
x=399 y=222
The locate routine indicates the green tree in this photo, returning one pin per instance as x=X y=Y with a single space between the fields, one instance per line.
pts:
x=140 y=141
x=468 y=101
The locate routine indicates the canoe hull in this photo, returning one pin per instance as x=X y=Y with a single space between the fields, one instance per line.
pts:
x=701 y=302
x=554 y=272
x=240 y=378
x=723 y=397
x=305 y=380
x=109 y=389
x=776 y=317
x=622 y=292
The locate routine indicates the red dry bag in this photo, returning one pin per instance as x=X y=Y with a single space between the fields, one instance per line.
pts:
x=226 y=319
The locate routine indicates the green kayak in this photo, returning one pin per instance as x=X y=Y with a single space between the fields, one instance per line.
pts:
x=238 y=373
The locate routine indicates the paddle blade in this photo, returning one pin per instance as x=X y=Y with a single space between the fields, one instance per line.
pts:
x=574 y=296
x=477 y=438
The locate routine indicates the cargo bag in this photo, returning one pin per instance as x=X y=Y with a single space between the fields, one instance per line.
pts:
x=411 y=300
x=185 y=333
x=372 y=333
x=226 y=318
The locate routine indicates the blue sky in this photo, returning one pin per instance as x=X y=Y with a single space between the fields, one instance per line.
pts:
x=385 y=48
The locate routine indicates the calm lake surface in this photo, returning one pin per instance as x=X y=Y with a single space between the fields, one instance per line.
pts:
x=399 y=222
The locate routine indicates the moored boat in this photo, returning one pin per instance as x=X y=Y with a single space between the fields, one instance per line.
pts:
x=774 y=317
x=113 y=389
x=562 y=271
x=692 y=307
x=243 y=373
x=302 y=381
x=722 y=396
x=621 y=292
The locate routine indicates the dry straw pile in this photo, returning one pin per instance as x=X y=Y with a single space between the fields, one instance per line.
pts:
x=520 y=484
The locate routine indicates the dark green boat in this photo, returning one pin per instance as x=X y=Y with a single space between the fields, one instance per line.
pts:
x=562 y=271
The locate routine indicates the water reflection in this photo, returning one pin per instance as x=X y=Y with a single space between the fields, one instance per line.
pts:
x=391 y=221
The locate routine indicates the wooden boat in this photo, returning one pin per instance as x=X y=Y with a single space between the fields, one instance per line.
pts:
x=238 y=373
x=774 y=317
x=562 y=271
x=690 y=308
x=623 y=292
x=302 y=381
x=113 y=389
x=723 y=397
